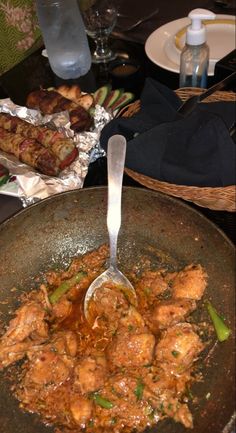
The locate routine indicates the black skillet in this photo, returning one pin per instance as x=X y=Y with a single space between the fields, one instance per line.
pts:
x=50 y=232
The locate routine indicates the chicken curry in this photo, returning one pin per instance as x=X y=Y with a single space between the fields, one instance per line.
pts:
x=128 y=371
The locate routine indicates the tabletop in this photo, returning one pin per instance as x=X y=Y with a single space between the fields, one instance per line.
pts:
x=35 y=71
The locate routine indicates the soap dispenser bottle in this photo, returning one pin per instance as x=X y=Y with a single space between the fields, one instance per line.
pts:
x=194 y=58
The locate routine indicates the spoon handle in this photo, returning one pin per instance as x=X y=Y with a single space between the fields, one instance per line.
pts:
x=116 y=151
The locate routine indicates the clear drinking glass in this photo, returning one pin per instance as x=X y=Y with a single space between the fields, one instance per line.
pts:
x=99 y=20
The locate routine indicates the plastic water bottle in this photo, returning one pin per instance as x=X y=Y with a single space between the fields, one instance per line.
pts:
x=64 y=37
x=194 y=59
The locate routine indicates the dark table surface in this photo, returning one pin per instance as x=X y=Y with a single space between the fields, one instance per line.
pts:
x=35 y=71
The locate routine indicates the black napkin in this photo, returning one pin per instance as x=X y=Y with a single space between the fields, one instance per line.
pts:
x=196 y=150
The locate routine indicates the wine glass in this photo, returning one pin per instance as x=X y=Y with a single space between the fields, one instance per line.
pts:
x=99 y=19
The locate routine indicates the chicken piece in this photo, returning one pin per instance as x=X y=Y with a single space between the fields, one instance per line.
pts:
x=131 y=321
x=124 y=386
x=29 y=320
x=90 y=374
x=169 y=313
x=92 y=262
x=178 y=348
x=13 y=353
x=62 y=309
x=81 y=409
x=48 y=368
x=183 y=415
x=152 y=284
x=190 y=282
x=158 y=381
x=62 y=343
x=133 y=350
x=65 y=343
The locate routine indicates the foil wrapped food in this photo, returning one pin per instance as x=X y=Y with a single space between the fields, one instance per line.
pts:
x=31 y=186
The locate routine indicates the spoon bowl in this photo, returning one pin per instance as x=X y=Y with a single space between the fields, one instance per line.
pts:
x=116 y=151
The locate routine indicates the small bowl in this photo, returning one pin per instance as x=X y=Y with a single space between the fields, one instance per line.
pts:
x=123 y=68
x=125 y=73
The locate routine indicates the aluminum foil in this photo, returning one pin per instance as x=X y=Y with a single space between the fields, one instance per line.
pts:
x=30 y=185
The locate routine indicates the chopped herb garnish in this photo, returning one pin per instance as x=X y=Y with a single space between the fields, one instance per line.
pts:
x=161 y=407
x=147 y=291
x=149 y=411
x=189 y=394
x=139 y=389
x=130 y=328
x=91 y=423
x=113 y=421
x=175 y=353
x=151 y=415
x=164 y=295
x=101 y=401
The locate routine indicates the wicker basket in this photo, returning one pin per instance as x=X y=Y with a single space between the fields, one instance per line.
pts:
x=215 y=198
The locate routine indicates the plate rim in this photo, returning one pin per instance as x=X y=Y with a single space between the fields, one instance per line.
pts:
x=217 y=21
x=163 y=32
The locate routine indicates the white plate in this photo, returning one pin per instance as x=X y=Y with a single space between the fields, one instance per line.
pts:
x=164 y=45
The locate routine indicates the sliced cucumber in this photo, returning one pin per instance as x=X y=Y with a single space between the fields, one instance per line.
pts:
x=101 y=94
x=123 y=100
x=4 y=175
x=112 y=97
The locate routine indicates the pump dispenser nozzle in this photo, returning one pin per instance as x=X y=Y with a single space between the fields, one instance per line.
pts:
x=194 y=59
x=196 y=32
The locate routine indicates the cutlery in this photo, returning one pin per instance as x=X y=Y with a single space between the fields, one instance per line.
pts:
x=188 y=106
x=223 y=4
x=232 y=131
x=136 y=23
x=115 y=158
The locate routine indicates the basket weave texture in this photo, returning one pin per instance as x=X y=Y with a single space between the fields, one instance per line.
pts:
x=215 y=198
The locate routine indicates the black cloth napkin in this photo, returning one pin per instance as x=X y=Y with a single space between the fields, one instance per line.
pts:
x=196 y=150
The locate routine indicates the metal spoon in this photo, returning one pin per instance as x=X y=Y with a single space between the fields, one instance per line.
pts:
x=116 y=159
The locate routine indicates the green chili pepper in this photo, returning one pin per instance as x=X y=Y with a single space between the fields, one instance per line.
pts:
x=65 y=286
x=222 y=331
x=101 y=401
x=139 y=389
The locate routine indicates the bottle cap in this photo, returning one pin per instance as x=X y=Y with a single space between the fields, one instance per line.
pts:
x=196 y=32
